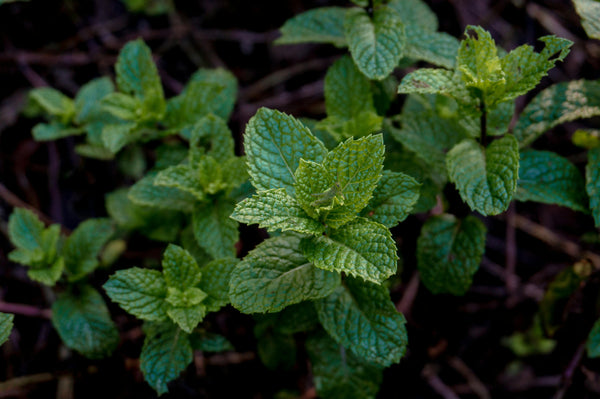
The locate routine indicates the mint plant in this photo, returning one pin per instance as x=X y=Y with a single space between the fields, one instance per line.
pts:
x=172 y=304
x=335 y=247
x=79 y=314
x=6 y=325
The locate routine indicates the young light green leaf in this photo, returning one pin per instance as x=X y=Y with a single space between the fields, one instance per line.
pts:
x=356 y=166
x=48 y=275
x=36 y=246
x=478 y=61
x=550 y=179
x=141 y=292
x=586 y=138
x=486 y=178
x=54 y=103
x=83 y=246
x=589 y=11
x=377 y=44
x=165 y=354
x=6 y=326
x=449 y=251
x=54 y=131
x=116 y=136
x=222 y=105
x=361 y=317
x=346 y=250
x=215 y=282
x=320 y=25
x=83 y=322
x=88 y=98
x=274 y=210
x=194 y=102
x=188 y=317
x=145 y=192
x=559 y=103
x=215 y=232
x=180 y=268
x=122 y=106
x=338 y=374
x=210 y=175
x=593 y=341
x=137 y=75
x=274 y=143
x=316 y=190
x=183 y=178
x=275 y=275
x=592 y=178
x=393 y=199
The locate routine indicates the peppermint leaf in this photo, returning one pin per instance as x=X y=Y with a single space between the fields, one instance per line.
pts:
x=180 y=270
x=83 y=246
x=361 y=317
x=194 y=102
x=215 y=282
x=275 y=275
x=320 y=25
x=181 y=177
x=6 y=326
x=274 y=144
x=437 y=48
x=377 y=44
x=83 y=322
x=145 y=192
x=486 y=178
x=589 y=11
x=346 y=250
x=210 y=135
x=222 y=105
x=215 y=232
x=54 y=103
x=141 y=292
x=54 y=131
x=550 y=179
x=449 y=251
x=592 y=178
x=88 y=98
x=188 y=317
x=593 y=342
x=165 y=354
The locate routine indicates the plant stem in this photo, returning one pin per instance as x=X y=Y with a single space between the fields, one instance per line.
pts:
x=483 y=121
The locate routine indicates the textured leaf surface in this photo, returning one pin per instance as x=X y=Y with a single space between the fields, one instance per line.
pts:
x=589 y=11
x=449 y=251
x=437 y=48
x=361 y=317
x=428 y=80
x=478 y=61
x=274 y=143
x=214 y=230
x=338 y=374
x=320 y=25
x=550 y=179
x=210 y=135
x=188 y=317
x=356 y=166
x=275 y=209
x=376 y=45
x=83 y=246
x=83 y=322
x=393 y=199
x=592 y=177
x=182 y=178
x=559 y=103
x=222 y=105
x=346 y=250
x=180 y=268
x=137 y=75
x=275 y=275
x=593 y=341
x=88 y=97
x=215 y=282
x=141 y=292
x=165 y=354
x=144 y=192
x=486 y=179
x=6 y=326
x=415 y=14
x=194 y=102
x=48 y=275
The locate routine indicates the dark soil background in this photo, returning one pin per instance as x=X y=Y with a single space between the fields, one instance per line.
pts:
x=456 y=345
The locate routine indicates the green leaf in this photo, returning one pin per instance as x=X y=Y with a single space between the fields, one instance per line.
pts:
x=339 y=374
x=593 y=341
x=275 y=275
x=165 y=354
x=274 y=210
x=210 y=135
x=141 y=292
x=122 y=106
x=187 y=318
x=361 y=317
x=316 y=191
x=377 y=44
x=559 y=103
x=48 y=275
x=356 y=166
x=183 y=178
x=437 y=48
x=449 y=251
x=94 y=152
x=144 y=192
x=274 y=143
x=276 y=351
x=25 y=230
x=185 y=298
x=592 y=178
x=83 y=322
x=87 y=100
x=428 y=80
x=550 y=179
x=346 y=250
x=210 y=174
x=215 y=282
x=393 y=199
x=83 y=246
x=320 y=25
x=210 y=342
x=415 y=14
x=54 y=131
x=215 y=232
x=6 y=326
x=137 y=75
x=194 y=102
x=180 y=268
x=117 y=136
x=54 y=103
x=222 y=105
x=479 y=63
x=589 y=11
x=486 y=179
